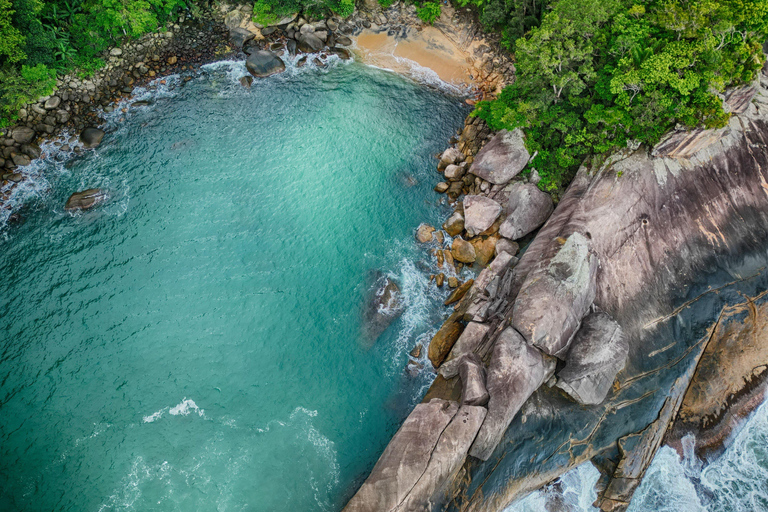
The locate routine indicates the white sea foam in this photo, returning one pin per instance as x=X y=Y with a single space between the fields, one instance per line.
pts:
x=572 y=492
x=183 y=408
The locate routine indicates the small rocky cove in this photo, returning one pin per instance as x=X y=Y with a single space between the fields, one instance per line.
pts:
x=633 y=316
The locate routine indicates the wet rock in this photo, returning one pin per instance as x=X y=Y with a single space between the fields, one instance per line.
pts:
x=597 y=353
x=91 y=137
x=502 y=158
x=453 y=282
x=406 y=458
x=442 y=188
x=86 y=199
x=440 y=280
x=450 y=156
x=424 y=233
x=455 y=189
x=527 y=209
x=468 y=343
x=455 y=224
x=459 y=292
x=416 y=352
x=16 y=177
x=480 y=213
x=515 y=372
x=264 y=63
x=442 y=342
x=309 y=43
x=20 y=159
x=342 y=53
x=554 y=298
x=472 y=376
x=383 y=306
x=292 y=46
x=246 y=81
x=343 y=40
x=463 y=251
x=23 y=135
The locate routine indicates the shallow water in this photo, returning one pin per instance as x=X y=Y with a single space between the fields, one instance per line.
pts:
x=195 y=342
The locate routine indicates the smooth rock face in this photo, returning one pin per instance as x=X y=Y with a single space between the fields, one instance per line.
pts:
x=454 y=172
x=473 y=391
x=382 y=308
x=23 y=135
x=508 y=246
x=467 y=344
x=450 y=156
x=86 y=199
x=406 y=458
x=555 y=297
x=502 y=158
x=52 y=103
x=454 y=225
x=91 y=137
x=515 y=372
x=240 y=36
x=20 y=160
x=480 y=213
x=343 y=40
x=446 y=460
x=463 y=251
x=264 y=63
x=598 y=352
x=527 y=209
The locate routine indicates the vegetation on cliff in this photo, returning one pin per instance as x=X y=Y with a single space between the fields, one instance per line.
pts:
x=602 y=74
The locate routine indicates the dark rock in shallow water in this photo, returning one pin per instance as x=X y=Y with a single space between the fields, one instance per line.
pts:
x=382 y=307
x=343 y=40
x=291 y=46
x=246 y=81
x=86 y=199
x=343 y=53
x=264 y=63
x=598 y=352
x=91 y=137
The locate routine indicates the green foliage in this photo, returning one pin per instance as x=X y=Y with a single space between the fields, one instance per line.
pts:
x=597 y=75
x=428 y=12
x=19 y=88
x=386 y=4
x=11 y=40
x=512 y=18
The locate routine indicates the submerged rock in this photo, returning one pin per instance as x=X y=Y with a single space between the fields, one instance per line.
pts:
x=86 y=199
x=383 y=306
x=264 y=63
x=502 y=158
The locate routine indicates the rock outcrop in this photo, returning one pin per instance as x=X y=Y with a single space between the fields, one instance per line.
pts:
x=382 y=307
x=527 y=209
x=86 y=199
x=502 y=158
x=264 y=63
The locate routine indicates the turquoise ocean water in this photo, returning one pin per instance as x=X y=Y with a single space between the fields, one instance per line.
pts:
x=195 y=342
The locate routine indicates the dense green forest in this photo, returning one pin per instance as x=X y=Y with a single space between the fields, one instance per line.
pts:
x=592 y=75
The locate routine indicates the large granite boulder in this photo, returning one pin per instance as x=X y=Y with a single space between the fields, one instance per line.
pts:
x=240 y=36
x=480 y=213
x=597 y=353
x=406 y=458
x=91 y=137
x=86 y=199
x=554 y=298
x=527 y=209
x=383 y=306
x=502 y=158
x=454 y=225
x=444 y=339
x=450 y=156
x=515 y=372
x=468 y=343
x=310 y=43
x=264 y=63
x=425 y=233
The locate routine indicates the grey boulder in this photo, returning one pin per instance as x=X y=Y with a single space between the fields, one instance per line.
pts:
x=86 y=199
x=597 y=353
x=383 y=306
x=23 y=134
x=502 y=158
x=240 y=36
x=527 y=209
x=91 y=137
x=480 y=213
x=473 y=391
x=556 y=295
x=515 y=372
x=264 y=63
x=309 y=43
